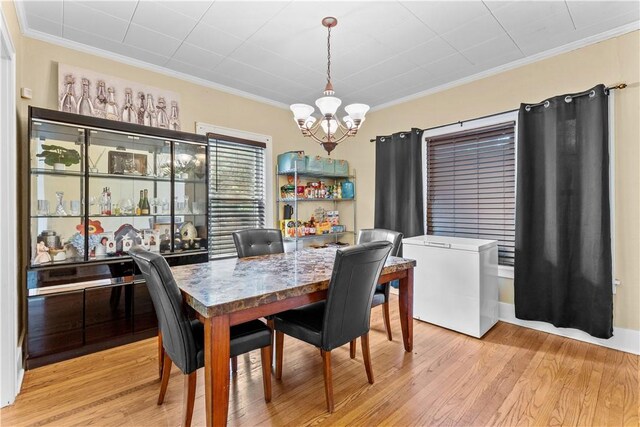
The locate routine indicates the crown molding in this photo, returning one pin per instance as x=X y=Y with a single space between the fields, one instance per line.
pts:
x=27 y=32
x=578 y=44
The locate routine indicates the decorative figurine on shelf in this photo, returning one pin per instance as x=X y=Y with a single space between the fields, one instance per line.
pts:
x=42 y=254
x=188 y=231
x=60 y=211
x=77 y=240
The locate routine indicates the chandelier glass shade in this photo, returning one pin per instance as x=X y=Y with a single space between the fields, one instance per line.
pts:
x=329 y=130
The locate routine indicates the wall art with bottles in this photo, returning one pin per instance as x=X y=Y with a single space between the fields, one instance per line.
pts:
x=91 y=93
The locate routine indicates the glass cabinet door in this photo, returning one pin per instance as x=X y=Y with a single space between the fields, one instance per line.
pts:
x=129 y=194
x=190 y=197
x=56 y=162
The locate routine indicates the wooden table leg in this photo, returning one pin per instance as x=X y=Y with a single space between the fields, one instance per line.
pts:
x=406 y=309
x=216 y=369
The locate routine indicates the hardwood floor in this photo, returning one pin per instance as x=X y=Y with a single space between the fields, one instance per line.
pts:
x=513 y=376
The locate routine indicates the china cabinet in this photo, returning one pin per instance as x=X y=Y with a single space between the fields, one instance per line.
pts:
x=95 y=188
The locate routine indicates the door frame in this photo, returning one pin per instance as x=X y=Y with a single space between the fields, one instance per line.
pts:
x=11 y=368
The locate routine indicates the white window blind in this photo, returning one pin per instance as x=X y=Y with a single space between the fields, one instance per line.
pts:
x=236 y=190
x=471 y=186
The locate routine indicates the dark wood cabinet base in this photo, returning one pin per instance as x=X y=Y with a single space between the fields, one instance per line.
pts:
x=36 y=362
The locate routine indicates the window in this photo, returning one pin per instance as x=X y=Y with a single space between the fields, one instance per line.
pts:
x=470 y=189
x=236 y=190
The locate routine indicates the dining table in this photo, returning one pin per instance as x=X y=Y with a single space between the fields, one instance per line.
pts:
x=227 y=292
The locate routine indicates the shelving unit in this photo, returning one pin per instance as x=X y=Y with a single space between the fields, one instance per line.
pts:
x=89 y=296
x=331 y=179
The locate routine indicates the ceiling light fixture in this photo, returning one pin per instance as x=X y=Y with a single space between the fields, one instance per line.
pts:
x=334 y=130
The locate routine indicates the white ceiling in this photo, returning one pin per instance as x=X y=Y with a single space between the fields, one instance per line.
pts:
x=381 y=50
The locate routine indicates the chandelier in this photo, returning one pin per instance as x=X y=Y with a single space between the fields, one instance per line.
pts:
x=329 y=131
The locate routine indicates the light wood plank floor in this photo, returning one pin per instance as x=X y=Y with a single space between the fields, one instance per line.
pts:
x=513 y=376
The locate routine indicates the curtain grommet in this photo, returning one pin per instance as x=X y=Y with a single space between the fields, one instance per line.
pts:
x=527 y=108
x=546 y=104
x=568 y=99
x=592 y=94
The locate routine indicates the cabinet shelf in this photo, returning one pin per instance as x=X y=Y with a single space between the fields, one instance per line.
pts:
x=316 y=175
x=129 y=177
x=56 y=216
x=315 y=200
x=317 y=236
x=42 y=171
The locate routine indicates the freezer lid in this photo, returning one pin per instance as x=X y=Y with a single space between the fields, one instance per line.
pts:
x=446 y=242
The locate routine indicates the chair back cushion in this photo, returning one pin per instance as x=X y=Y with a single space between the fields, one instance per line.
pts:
x=177 y=335
x=380 y=234
x=355 y=273
x=258 y=241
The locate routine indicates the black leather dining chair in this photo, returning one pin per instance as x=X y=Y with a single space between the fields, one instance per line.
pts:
x=343 y=316
x=381 y=295
x=183 y=339
x=256 y=242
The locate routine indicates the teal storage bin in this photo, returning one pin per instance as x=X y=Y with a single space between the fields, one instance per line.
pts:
x=292 y=161
x=328 y=166
x=341 y=167
x=348 y=190
x=315 y=164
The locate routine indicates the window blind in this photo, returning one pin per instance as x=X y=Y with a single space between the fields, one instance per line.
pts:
x=471 y=186
x=236 y=190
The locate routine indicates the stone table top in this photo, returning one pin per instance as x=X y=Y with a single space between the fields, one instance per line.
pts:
x=234 y=284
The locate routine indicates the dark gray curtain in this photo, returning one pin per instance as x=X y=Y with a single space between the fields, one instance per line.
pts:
x=398 y=193
x=563 y=269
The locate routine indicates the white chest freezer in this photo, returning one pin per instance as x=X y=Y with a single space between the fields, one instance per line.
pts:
x=455 y=282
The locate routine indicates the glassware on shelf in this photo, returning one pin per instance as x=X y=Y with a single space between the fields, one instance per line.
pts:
x=93 y=201
x=162 y=117
x=60 y=210
x=198 y=207
x=68 y=102
x=85 y=107
x=127 y=207
x=105 y=202
x=129 y=113
x=154 y=203
x=43 y=207
x=75 y=207
x=165 y=207
x=112 y=110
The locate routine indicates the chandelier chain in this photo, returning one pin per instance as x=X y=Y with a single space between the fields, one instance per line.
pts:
x=329 y=55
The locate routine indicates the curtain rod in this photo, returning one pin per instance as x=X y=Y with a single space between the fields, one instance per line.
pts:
x=461 y=122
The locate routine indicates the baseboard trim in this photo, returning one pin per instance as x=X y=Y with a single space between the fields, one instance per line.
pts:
x=627 y=340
